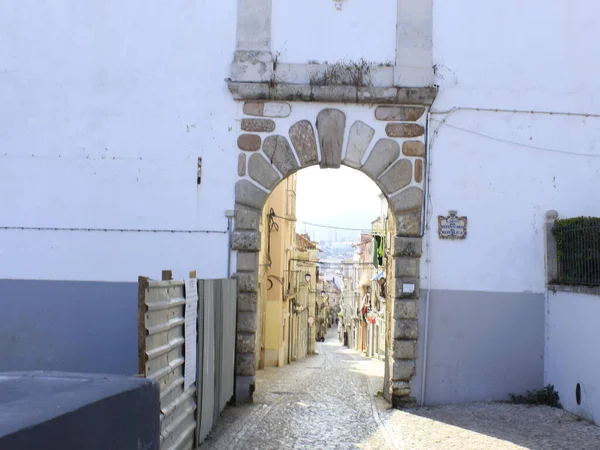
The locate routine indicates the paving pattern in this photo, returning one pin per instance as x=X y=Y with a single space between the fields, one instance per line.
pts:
x=329 y=401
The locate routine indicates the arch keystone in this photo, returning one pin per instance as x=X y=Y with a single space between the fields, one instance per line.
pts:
x=331 y=124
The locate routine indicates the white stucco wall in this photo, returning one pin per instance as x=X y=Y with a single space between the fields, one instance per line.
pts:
x=318 y=30
x=571 y=357
x=483 y=165
x=105 y=109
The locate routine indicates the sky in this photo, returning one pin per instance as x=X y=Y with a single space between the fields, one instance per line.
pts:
x=341 y=197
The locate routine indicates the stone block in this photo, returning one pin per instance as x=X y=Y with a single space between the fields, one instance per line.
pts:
x=246 y=218
x=399 y=113
x=245 y=241
x=409 y=223
x=403 y=370
x=406 y=267
x=359 y=139
x=406 y=329
x=248 y=194
x=261 y=171
x=408 y=246
x=278 y=150
x=418 y=170
x=247 y=301
x=246 y=282
x=258 y=125
x=402 y=285
x=331 y=124
x=303 y=139
x=406 y=309
x=371 y=95
x=405 y=349
x=271 y=109
x=410 y=199
x=399 y=402
x=404 y=130
x=247 y=322
x=385 y=152
x=246 y=342
x=249 y=142
x=244 y=364
x=247 y=261
x=340 y=93
x=400 y=388
x=241 y=164
x=397 y=177
x=413 y=148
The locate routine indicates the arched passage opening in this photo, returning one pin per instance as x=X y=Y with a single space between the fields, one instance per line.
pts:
x=386 y=143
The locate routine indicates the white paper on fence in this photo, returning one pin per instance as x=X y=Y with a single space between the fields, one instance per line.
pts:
x=191 y=334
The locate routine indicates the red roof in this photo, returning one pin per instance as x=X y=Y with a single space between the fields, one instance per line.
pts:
x=304 y=243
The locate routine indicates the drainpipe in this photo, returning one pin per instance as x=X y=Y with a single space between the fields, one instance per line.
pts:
x=230 y=213
x=427 y=232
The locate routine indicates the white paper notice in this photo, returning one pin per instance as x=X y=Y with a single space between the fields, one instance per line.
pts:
x=408 y=288
x=191 y=334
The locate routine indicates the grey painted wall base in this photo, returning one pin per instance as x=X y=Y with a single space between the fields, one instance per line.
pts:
x=482 y=346
x=69 y=326
x=244 y=388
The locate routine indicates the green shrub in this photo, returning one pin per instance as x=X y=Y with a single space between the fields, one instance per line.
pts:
x=546 y=396
x=578 y=250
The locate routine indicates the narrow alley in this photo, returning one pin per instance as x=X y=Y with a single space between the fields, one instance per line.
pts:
x=330 y=401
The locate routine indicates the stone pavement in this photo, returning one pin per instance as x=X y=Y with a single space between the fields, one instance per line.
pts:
x=329 y=401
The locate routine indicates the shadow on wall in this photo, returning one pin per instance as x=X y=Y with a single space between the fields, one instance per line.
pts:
x=68 y=326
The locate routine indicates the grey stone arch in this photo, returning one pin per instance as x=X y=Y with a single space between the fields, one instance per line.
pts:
x=396 y=163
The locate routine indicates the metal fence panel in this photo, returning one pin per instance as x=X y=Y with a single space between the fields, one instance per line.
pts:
x=578 y=252
x=208 y=362
x=229 y=337
x=161 y=358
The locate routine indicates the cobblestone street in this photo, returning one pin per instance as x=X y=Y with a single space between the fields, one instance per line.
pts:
x=329 y=401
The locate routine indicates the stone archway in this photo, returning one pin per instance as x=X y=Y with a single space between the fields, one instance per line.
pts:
x=395 y=161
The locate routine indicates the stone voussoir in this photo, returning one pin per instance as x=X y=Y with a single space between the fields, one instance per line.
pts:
x=418 y=171
x=258 y=125
x=404 y=130
x=278 y=150
x=304 y=141
x=331 y=124
x=385 y=152
x=261 y=171
x=249 y=142
x=248 y=194
x=270 y=109
x=396 y=177
x=399 y=113
x=359 y=139
x=245 y=241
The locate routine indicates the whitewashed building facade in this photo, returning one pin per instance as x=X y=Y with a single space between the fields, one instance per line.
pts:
x=122 y=145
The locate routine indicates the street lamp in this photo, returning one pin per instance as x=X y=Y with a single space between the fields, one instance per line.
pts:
x=307 y=277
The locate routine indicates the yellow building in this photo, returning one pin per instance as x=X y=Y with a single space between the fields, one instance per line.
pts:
x=287 y=270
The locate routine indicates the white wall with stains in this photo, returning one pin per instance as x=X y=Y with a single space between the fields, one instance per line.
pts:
x=105 y=108
x=571 y=327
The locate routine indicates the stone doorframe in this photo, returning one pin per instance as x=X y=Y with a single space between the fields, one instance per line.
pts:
x=396 y=164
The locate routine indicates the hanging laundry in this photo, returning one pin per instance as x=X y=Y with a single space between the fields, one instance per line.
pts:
x=377 y=251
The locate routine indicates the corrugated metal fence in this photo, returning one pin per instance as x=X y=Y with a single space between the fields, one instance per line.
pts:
x=187 y=415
